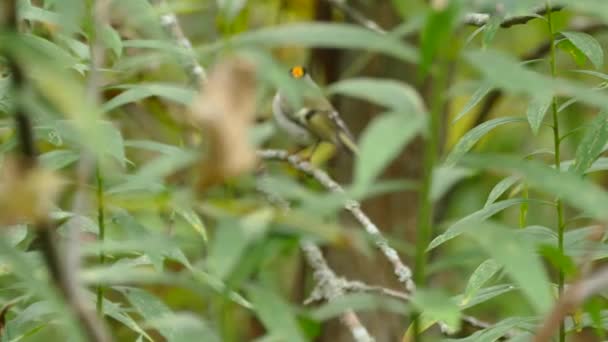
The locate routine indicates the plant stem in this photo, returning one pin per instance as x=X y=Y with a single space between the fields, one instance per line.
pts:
x=556 y=142
x=425 y=206
x=101 y=236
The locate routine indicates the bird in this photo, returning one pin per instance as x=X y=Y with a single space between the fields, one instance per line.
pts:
x=316 y=121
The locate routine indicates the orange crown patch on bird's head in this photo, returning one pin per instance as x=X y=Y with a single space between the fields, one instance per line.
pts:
x=297 y=72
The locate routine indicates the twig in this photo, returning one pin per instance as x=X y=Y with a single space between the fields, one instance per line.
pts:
x=572 y=298
x=402 y=272
x=355 y=15
x=357 y=286
x=480 y=19
x=330 y=287
x=170 y=24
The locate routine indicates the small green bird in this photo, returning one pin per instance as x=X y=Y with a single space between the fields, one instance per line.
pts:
x=316 y=121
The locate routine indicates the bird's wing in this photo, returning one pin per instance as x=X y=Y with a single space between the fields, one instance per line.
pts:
x=325 y=126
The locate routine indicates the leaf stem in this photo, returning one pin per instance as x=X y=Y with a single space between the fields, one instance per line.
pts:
x=102 y=234
x=556 y=142
x=425 y=206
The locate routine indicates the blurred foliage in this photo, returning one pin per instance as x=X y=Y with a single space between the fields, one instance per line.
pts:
x=220 y=262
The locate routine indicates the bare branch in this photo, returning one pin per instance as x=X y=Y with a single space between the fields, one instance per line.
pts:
x=403 y=273
x=330 y=287
x=570 y=300
x=480 y=19
x=170 y=24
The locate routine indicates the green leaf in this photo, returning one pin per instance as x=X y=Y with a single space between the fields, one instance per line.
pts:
x=275 y=314
x=588 y=46
x=232 y=238
x=473 y=136
x=483 y=295
x=572 y=189
x=60 y=56
x=394 y=95
x=444 y=177
x=152 y=310
x=155 y=146
x=592 y=144
x=111 y=39
x=504 y=71
x=519 y=260
x=437 y=306
x=231 y=8
x=33 y=13
x=137 y=92
x=500 y=189
x=491 y=28
x=472 y=221
x=118 y=313
x=496 y=331
x=58 y=159
x=577 y=55
x=334 y=36
x=72 y=13
x=477 y=96
x=381 y=142
x=537 y=108
x=558 y=259
x=194 y=220
x=480 y=277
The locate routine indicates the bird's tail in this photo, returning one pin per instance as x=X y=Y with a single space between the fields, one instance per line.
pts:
x=348 y=143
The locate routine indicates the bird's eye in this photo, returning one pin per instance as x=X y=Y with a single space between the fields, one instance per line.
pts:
x=298 y=72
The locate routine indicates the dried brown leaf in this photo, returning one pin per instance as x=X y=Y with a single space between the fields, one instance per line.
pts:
x=26 y=194
x=225 y=111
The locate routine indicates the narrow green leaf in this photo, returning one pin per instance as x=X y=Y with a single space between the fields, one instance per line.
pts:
x=483 y=90
x=496 y=331
x=394 y=95
x=483 y=295
x=137 y=92
x=577 y=55
x=437 y=306
x=500 y=189
x=381 y=142
x=118 y=313
x=444 y=177
x=58 y=159
x=537 y=108
x=504 y=71
x=590 y=147
x=151 y=309
x=473 y=136
x=519 y=260
x=579 y=193
x=111 y=39
x=491 y=28
x=480 y=277
x=587 y=45
x=226 y=249
x=472 y=221
x=194 y=220
x=275 y=314
x=334 y=36
x=153 y=146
